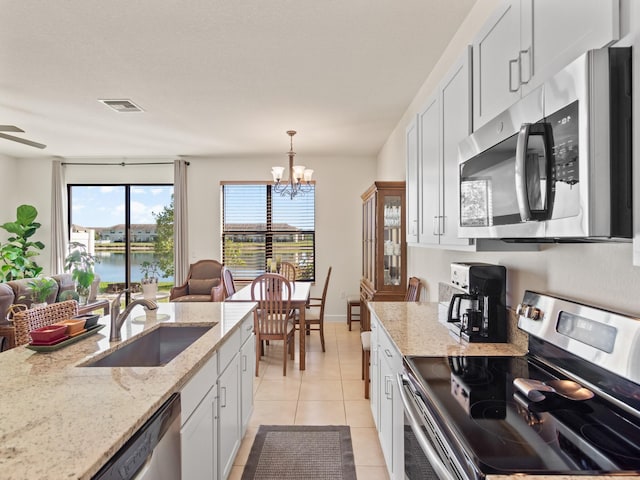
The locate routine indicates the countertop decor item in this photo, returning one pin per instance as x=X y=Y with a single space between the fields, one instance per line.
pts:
x=52 y=347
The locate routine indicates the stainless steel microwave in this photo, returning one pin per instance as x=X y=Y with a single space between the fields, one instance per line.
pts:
x=556 y=166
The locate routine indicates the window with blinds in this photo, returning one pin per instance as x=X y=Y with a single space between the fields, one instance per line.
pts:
x=258 y=224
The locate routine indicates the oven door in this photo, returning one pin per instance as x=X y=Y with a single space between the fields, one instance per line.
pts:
x=426 y=451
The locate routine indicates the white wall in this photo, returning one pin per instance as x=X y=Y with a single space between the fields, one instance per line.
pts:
x=600 y=274
x=8 y=188
x=340 y=181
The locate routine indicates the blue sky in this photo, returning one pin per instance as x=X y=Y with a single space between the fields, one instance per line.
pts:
x=103 y=206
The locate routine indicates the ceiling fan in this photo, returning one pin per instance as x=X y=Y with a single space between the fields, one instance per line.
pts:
x=13 y=128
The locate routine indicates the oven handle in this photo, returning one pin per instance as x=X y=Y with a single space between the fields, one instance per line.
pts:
x=433 y=457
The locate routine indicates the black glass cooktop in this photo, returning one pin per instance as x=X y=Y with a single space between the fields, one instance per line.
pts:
x=502 y=431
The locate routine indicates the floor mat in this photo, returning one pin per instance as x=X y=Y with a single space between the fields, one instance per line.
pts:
x=290 y=452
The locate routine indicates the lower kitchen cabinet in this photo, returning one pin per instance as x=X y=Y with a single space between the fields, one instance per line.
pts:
x=197 y=440
x=247 y=374
x=216 y=405
x=229 y=416
x=385 y=399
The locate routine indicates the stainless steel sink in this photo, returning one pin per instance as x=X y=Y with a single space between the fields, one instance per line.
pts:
x=153 y=349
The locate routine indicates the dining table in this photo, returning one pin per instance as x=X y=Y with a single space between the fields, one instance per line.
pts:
x=299 y=298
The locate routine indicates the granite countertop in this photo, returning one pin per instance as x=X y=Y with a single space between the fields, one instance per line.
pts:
x=417 y=328
x=58 y=420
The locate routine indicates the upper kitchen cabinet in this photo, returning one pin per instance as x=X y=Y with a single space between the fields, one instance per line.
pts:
x=412 y=181
x=441 y=124
x=526 y=41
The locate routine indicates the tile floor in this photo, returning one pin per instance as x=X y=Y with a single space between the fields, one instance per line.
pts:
x=329 y=392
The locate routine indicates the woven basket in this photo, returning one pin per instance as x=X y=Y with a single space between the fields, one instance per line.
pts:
x=34 y=318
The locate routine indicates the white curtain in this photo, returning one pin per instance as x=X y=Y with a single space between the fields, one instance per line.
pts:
x=58 y=218
x=180 y=221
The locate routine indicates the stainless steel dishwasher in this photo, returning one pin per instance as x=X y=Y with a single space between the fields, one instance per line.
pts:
x=153 y=452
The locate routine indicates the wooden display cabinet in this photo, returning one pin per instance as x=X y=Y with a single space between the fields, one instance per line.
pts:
x=384 y=246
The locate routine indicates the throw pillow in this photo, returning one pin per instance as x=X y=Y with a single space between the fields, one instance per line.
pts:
x=202 y=287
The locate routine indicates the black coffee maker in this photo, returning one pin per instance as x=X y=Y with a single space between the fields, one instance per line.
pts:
x=479 y=314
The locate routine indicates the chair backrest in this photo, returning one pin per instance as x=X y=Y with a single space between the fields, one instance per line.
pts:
x=273 y=293
x=227 y=278
x=324 y=293
x=288 y=271
x=33 y=318
x=413 y=290
x=205 y=269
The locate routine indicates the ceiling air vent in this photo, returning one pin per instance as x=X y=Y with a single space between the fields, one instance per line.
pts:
x=121 y=106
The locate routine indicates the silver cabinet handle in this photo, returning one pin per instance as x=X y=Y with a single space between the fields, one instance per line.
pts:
x=520 y=53
x=244 y=363
x=433 y=457
x=223 y=391
x=511 y=62
x=436 y=226
x=388 y=353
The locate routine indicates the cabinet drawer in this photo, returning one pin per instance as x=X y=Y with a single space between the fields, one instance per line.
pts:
x=388 y=350
x=246 y=329
x=196 y=388
x=229 y=349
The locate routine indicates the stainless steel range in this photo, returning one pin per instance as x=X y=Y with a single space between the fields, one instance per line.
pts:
x=475 y=416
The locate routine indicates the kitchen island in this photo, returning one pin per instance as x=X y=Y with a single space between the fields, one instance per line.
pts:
x=61 y=420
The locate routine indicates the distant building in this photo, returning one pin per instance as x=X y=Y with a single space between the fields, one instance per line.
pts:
x=139 y=232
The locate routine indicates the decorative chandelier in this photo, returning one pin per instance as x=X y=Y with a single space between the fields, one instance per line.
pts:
x=299 y=177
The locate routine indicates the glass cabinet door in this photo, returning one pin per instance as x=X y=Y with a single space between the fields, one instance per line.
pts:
x=392 y=237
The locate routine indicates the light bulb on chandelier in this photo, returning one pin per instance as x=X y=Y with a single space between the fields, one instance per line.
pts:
x=299 y=180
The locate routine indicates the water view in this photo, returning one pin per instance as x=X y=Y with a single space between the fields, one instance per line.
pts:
x=111 y=266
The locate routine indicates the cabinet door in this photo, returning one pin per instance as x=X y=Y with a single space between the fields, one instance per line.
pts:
x=412 y=181
x=197 y=441
x=496 y=74
x=374 y=374
x=386 y=411
x=228 y=416
x=429 y=154
x=455 y=98
x=555 y=33
x=247 y=373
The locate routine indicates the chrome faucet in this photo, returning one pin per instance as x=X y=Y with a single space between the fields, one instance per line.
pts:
x=117 y=318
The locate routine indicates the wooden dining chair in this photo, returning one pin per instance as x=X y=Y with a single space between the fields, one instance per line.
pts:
x=273 y=319
x=227 y=279
x=314 y=315
x=288 y=271
x=414 y=287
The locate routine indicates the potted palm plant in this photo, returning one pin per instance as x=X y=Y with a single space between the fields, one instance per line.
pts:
x=39 y=290
x=80 y=263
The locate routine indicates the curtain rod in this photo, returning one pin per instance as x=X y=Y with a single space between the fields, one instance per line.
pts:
x=121 y=164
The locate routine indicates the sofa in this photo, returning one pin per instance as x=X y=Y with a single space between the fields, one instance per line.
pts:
x=17 y=291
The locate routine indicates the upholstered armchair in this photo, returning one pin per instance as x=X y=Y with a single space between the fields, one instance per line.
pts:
x=203 y=284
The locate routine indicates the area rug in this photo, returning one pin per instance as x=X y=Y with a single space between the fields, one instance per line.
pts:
x=292 y=452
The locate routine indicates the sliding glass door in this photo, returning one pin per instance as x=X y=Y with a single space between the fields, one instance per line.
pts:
x=129 y=228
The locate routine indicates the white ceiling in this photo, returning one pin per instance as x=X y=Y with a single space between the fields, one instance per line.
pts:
x=216 y=78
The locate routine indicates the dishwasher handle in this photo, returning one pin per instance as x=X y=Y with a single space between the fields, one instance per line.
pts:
x=410 y=413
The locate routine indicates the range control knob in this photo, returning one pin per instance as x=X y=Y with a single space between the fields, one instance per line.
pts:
x=521 y=308
x=533 y=313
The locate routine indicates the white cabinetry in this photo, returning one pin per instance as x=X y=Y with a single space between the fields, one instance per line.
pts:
x=442 y=124
x=412 y=181
x=247 y=371
x=229 y=422
x=198 y=401
x=216 y=405
x=384 y=395
x=526 y=41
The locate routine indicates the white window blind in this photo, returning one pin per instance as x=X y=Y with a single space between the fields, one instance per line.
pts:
x=259 y=224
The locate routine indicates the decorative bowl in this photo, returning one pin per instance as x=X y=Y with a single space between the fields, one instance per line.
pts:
x=91 y=319
x=73 y=325
x=49 y=333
